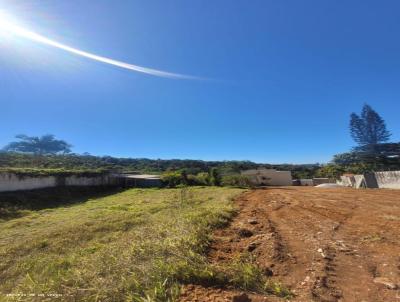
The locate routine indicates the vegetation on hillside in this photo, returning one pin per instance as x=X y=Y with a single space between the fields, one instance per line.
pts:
x=143 y=165
x=138 y=245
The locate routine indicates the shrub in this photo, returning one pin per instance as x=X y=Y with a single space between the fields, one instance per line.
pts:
x=203 y=179
x=330 y=171
x=236 y=181
x=215 y=177
x=172 y=179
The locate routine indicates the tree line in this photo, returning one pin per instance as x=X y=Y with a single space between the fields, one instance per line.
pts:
x=72 y=161
x=373 y=152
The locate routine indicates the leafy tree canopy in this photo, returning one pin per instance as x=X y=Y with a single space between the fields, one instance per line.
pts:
x=379 y=157
x=330 y=171
x=46 y=144
x=368 y=128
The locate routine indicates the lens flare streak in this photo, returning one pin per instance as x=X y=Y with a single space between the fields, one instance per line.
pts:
x=11 y=28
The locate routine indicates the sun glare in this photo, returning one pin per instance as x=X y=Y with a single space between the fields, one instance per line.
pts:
x=9 y=27
x=8 y=24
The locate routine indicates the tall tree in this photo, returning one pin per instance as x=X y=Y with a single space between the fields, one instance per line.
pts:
x=368 y=128
x=46 y=144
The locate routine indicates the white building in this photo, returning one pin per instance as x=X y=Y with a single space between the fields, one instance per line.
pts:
x=268 y=177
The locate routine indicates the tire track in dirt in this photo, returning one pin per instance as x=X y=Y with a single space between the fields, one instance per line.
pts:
x=326 y=245
x=250 y=232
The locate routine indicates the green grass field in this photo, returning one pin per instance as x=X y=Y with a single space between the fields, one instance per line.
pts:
x=138 y=245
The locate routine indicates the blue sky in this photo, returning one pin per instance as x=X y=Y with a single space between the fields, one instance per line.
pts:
x=283 y=76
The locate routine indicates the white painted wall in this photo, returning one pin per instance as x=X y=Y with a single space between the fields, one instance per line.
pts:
x=13 y=182
x=388 y=179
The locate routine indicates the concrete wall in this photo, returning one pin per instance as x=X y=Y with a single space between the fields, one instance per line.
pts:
x=388 y=179
x=13 y=182
x=142 y=182
x=306 y=182
x=90 y=181
x=347 y=181
x=370 y=180
x=269 y=177
x=322 y=180
x=359 y=181
x=383 y=180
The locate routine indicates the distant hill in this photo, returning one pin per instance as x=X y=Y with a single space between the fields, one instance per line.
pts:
x=142 y=165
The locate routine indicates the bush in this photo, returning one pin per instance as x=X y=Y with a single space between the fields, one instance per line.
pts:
x=203 y=179
x=236 y=181
x=173 y=179
x=330 y=171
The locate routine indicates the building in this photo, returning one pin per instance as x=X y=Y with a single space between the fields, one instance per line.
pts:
x=268 y=177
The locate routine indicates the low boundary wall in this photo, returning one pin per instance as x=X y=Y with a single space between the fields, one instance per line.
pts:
x=268 y=177
x=382 y=180
x=16 y=182
x=388 y=179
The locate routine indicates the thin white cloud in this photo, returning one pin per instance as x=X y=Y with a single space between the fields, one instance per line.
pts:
x=19 y=31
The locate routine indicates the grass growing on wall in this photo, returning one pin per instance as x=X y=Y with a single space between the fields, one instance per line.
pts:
x=39 y=172
x=138 y=245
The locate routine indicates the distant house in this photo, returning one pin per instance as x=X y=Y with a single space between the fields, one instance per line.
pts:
x=268 y=177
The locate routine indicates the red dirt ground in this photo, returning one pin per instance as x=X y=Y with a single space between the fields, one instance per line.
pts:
x=327 y=245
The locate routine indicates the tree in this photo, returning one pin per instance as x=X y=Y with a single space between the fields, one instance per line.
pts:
x=215 y=177
x=368 y=128
x=378 y=157
x=347 y=158
x=46 y=144
x=330 y=171
x=172 y=179
x=203 y=179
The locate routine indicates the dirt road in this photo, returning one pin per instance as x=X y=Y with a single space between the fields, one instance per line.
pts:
x=324 y=244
